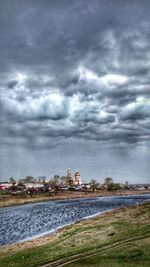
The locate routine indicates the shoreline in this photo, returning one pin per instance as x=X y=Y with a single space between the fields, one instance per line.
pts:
x=43 y=239
x=62 y=228
x=52 y=236
x=8 y=201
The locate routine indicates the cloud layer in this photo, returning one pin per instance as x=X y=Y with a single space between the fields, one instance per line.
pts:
x=75 y=70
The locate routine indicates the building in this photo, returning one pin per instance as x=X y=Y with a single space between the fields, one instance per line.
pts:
x=5 y=185
x=76 y=180
x=69 y=179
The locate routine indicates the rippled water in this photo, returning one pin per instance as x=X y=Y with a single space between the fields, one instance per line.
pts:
x=28 y=221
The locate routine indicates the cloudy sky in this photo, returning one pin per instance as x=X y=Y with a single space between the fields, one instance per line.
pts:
x=75 y=88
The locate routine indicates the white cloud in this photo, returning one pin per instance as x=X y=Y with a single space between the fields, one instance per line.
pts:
x=88 y=75
x=114 y=79
x=52 y=106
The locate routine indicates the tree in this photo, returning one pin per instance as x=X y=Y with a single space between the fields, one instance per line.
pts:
x=94 y=185
x=12 y=181
x=28 y=179
x=113 y=187
x=63 y=180
x=108 y=181
x=55 y=181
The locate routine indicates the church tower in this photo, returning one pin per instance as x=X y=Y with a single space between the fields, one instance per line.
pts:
x=69 y=177
x=77 y=179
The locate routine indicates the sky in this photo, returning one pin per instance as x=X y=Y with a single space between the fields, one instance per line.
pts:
x=75 y=89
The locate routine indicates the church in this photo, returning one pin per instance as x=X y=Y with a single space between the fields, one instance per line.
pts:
x=76 y=180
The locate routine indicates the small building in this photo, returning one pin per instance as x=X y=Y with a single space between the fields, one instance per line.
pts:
x=5 y=185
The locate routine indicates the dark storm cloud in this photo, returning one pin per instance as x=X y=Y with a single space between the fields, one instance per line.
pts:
x=12 y=84
x=74 y=69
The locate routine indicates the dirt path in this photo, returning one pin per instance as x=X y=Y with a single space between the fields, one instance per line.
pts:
x=94 y=252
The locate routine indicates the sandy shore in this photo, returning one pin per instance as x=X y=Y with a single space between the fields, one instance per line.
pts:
x=9 y=200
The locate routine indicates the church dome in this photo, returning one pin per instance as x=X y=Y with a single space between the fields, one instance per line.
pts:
x=77 y=173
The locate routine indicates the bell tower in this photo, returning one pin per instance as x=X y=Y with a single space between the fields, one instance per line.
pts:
x=69 y=177
x=77 y=178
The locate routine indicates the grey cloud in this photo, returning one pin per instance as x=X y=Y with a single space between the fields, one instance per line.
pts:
x=12 y=84
x=138 y=112
x=74 y=70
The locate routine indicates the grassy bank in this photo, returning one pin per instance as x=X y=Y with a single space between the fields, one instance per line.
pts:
x=13 y=200
x=117 y=238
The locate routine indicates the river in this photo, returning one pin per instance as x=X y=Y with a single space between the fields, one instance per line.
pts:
x=25 y=222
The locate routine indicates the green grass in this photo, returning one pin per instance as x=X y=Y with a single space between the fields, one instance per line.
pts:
x=133 y=255
x=121 y=238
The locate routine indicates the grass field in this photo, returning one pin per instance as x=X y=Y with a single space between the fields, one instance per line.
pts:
x=117 y=238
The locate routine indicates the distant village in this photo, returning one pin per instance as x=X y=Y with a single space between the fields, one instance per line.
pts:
x=70 y=182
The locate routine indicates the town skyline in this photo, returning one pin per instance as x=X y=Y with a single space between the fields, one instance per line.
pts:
x=69 y=173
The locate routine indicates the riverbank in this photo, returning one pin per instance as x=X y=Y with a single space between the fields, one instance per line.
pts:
x=117 y=238
x=13 y=200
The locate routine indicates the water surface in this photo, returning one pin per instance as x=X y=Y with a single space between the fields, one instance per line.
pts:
x=25 y=222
